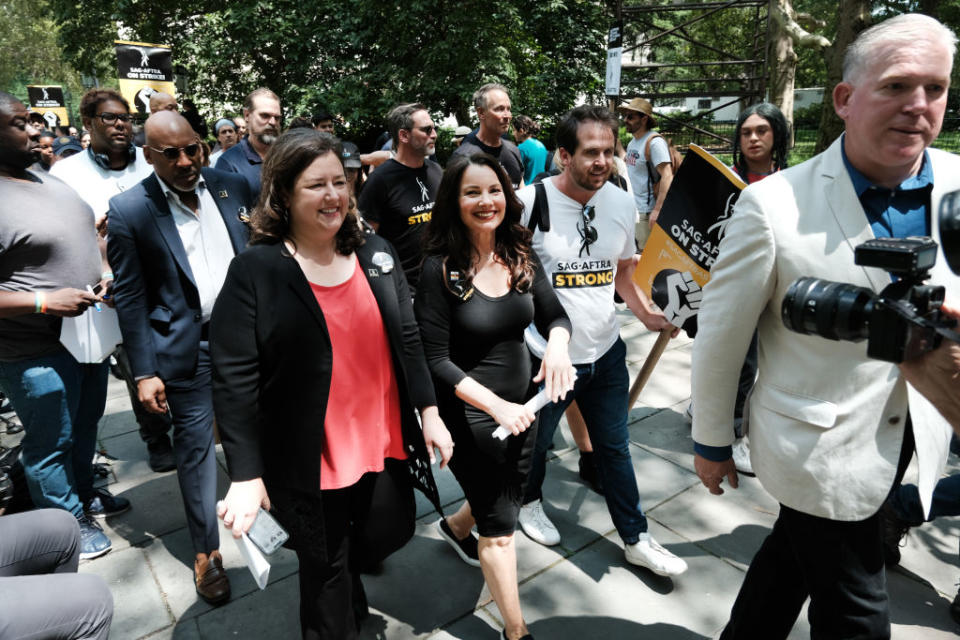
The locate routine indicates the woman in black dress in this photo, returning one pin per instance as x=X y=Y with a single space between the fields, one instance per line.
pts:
x=480 y=287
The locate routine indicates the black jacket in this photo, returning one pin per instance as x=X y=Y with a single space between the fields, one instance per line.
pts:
x=272 y=364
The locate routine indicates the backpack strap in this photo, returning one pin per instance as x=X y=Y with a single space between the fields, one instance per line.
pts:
x=540 y=216
x=653 y=177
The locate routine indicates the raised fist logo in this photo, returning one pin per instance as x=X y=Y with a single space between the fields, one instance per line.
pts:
x=683 y=298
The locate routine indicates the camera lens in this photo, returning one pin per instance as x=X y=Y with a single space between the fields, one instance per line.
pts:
x=950 y=229
x=833 y=310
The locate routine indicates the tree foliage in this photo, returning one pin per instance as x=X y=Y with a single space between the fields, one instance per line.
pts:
x=359 y=58
x=29 y=51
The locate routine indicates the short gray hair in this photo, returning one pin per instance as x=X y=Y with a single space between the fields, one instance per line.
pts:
x=900 y=30
x=401 y=117
x=480 y=95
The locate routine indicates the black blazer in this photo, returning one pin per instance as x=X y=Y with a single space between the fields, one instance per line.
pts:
x=272 y=364
x=158 y=304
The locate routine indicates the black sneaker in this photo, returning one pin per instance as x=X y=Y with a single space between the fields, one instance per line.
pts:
x=93 y=541
x=104 y=504
x=161 y=458
x=588 y=471
x=892 y=532
x=466 y=548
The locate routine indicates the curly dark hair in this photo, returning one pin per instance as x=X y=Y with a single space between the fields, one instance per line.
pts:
x=289 y=156
x=447 y=236
x=781 y=136
x=92 y=99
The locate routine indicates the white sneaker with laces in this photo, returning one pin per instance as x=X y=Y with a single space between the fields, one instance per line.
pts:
x=537 y=525
x=646 y=552
x=741 y=456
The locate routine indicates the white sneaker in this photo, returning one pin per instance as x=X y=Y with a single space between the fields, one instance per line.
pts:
x=537 y=525
x=741 y=457
x=688 y=413
x=646 y=552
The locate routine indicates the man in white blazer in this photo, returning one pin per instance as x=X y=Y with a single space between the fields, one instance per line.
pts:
x=830 y=430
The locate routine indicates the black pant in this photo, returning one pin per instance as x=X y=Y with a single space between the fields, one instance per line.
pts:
x=362 y=523
x=839 y=565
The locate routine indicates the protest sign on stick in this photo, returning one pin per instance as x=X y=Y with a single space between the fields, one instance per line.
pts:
x=683 y=245
x=142 y=70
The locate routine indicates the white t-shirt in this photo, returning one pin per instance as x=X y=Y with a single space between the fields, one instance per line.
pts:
x=582 y=282
x=637 y=168
x=97 y=185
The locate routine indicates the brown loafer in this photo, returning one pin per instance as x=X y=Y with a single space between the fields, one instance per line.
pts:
x=211 y=579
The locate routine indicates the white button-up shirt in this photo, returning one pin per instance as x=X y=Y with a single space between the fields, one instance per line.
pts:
x=206 y=241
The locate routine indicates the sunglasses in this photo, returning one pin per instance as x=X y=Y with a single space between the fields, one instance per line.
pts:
x=173 y=153
x=588 y=234
x=109 y=118
x=430 y=128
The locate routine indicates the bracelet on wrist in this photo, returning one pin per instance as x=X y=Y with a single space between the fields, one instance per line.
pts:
x=40 y=302
x=106 y=275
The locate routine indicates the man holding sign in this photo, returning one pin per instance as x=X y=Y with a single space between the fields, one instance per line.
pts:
x=583 y=233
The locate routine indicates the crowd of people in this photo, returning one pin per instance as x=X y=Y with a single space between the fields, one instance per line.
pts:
x=348 y=318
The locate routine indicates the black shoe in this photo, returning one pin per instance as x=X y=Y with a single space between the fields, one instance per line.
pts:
x=892 y=532
x=955 y=608
x=104 y=504
x=529 y=636
x=466 y=548
x=161 y=455
x=588 y=471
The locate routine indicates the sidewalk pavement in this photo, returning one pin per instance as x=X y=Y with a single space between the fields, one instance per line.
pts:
x=580 y=590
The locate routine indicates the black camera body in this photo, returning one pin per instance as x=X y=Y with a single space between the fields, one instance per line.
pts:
x=900 y=323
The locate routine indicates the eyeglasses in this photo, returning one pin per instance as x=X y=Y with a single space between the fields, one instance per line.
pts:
x=109 y=118
x=173 y=153
x=588 y=234
x=430 y=128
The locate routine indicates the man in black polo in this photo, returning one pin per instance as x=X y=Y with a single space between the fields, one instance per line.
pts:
x=493 y=111
x=397 y=200
x=261 y=111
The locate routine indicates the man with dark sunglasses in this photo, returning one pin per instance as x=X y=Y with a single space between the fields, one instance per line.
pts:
x=584 y=239
x=171 y=239
x=110 y=165
x=397 y=199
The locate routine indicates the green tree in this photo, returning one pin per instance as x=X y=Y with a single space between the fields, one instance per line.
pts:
x=29 y=51
x=359 y=58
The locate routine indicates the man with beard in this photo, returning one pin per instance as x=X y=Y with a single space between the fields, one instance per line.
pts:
x=492 y=104
x=171 y=239
x=584 y=240
x=648 y=164
x=110 y=165
x=261 y=111
x=48 y=255
x=397 y=199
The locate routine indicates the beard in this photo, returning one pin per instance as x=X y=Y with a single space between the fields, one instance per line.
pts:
x=18 y=158
x=267 y=136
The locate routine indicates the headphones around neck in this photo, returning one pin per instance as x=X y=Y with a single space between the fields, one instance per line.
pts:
x=102 y=160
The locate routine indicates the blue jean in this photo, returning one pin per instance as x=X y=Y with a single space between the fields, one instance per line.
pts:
x=601 y=392
x=905 y=501
x=59 y=401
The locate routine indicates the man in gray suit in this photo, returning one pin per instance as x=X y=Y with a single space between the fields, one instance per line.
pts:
x=831 y=431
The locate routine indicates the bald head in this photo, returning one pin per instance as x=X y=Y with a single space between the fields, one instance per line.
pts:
x=163 y=124
x=172 y=147
x=161 y=101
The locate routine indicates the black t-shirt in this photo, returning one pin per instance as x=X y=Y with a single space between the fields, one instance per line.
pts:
x=400 y=200
x=507 y=154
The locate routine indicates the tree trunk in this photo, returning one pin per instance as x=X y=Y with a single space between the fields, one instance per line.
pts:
x=787 y=34
x=853 y=16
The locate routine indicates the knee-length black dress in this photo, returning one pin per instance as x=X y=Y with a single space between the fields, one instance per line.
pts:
x=482 y=337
